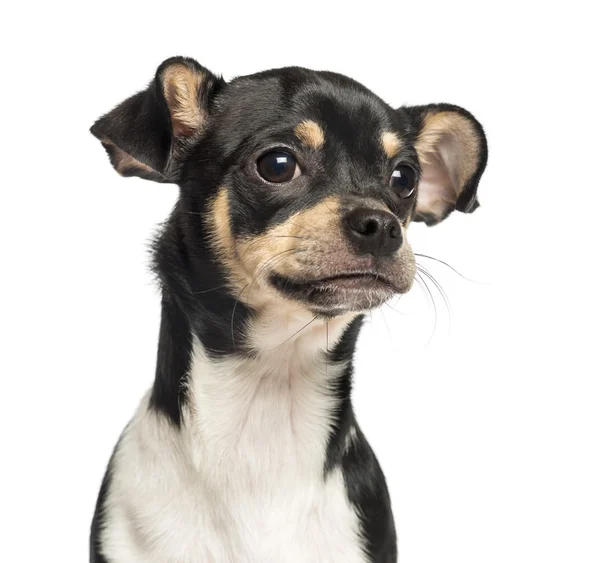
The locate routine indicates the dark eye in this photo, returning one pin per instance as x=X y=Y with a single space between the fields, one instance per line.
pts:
x=278 y=167
x=403 y=181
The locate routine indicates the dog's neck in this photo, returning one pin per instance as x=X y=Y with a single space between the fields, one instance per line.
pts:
x=288 y=341
x=296 y=375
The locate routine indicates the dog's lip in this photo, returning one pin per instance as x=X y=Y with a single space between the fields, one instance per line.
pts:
x=354 y=278
x=351 y=280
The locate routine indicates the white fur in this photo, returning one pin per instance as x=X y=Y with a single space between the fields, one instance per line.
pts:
x=243 y=480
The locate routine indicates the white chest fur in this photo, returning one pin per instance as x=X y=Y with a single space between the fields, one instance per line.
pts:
x=243 y=479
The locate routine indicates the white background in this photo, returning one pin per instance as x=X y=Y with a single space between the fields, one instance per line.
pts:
x=489 y=436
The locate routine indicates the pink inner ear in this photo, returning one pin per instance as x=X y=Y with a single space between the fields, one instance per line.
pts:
x=437 y=190
x=449 y=151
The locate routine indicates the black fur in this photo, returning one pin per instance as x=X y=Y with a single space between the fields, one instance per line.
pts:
x=367 y=490
x=365 y=482
x=244 y=119
x=96 y=555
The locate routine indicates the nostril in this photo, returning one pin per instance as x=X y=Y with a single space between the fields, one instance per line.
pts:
x=370 y=227
x=395 y=231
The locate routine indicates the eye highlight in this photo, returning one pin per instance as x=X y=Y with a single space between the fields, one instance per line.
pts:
x=403 y=181
x=278 y=167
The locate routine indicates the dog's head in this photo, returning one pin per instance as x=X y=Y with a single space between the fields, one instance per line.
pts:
x=297 y=187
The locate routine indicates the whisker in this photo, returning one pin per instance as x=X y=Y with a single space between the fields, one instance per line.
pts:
x=251 y=284
x=310 y=231
x=393 y=309
x=251 y=245
x=224 y=286
x=329 y=209
x=209 y=290
x=435 y=316
x=387 y=327
x=441 y=292
x=451 y=267
x=295 y=333
x=326 y=347
x=273 y=260
x=233 y=315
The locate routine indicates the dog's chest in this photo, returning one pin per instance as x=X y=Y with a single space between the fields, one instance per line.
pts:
x=244 y=479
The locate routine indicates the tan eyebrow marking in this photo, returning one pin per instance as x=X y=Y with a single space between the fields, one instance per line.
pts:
x=310 y=133
x=391 y=144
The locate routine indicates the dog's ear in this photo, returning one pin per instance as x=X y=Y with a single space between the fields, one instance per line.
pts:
x=148 y=134
x=452 y=151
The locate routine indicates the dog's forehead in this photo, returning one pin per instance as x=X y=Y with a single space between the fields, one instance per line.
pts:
x=334 y=106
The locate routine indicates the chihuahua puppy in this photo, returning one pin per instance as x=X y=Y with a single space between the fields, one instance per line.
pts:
x=297 y=189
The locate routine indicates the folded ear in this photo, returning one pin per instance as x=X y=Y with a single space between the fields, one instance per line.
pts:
x=452 y=151
x=148 y=134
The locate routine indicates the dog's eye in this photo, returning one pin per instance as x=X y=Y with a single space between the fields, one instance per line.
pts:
x=278 y=167
x=403 y=181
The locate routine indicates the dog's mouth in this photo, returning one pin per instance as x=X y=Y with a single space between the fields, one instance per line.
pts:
x=355 y=281
x=348 y=291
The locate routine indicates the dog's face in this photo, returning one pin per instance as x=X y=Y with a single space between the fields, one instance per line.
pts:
x=316 y=194
x=298 y=185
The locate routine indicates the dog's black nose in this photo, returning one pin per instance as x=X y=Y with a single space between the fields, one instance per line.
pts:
x=373 y=231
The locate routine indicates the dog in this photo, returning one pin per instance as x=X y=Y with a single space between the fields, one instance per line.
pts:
x=296 y=191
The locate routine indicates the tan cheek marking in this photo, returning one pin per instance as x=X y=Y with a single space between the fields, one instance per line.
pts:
x=310 y=133
x=219 y=218
x=255 y=252
x=436 y=127
x=221 y=238
x=320 y=221
x=391 y=144
x=181 y=86
x=278 y=243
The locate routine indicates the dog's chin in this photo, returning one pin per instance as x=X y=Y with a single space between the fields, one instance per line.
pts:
x=339 y=294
